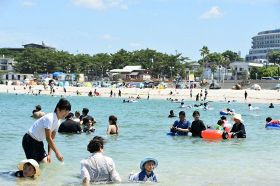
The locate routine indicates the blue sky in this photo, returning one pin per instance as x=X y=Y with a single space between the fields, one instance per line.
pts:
x=94 y=26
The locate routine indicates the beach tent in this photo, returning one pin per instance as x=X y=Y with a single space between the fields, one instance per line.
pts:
x=55 y=74
x=256 y=87
x=87 y=84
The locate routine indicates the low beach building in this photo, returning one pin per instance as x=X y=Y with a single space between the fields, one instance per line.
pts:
x=131 y=73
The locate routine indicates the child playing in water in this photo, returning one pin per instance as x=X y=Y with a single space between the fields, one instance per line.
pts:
x=88 y=125
x=28 y=168
x=147 y=166
x=220 y=125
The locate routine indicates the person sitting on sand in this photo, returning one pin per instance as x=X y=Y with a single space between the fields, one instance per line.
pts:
x=113 y=128
x=180 y=126
x=37 y=113
x=171 y=114
x=271 y=105
x=69 y=125
x=28 y=168
x=147 y=167
x=97 y=167
x=238 y=129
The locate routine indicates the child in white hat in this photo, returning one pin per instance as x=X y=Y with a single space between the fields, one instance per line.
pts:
x=28 y=168
x=147 y=166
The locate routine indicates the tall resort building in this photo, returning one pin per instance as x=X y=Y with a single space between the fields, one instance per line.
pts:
x=262 y=44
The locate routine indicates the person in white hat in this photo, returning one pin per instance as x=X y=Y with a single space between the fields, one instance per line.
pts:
x=27 y=168
x=238 y=129
x=147 y=167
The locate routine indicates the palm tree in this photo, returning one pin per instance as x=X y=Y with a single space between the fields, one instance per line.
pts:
x=204 y=52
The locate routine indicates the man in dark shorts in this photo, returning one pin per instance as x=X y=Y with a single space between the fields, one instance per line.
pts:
x=45 y=128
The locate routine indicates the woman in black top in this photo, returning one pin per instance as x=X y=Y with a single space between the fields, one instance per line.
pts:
x=238 y=129
x=197 y=125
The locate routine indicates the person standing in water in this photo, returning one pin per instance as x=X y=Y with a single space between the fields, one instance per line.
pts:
x=98 y=167
x=197 y=125
x=238 y=129
x=45 y=128
x=113 y=127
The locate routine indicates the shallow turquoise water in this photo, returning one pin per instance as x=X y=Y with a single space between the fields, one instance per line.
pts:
x=143 y=127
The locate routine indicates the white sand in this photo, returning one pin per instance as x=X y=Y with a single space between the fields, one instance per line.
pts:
x=262 y=96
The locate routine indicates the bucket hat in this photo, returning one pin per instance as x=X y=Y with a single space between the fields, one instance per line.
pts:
x=142 y=164
x=33 y=163
x=238 y=117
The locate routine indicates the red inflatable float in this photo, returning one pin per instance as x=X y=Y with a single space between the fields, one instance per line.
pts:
x=215 y=134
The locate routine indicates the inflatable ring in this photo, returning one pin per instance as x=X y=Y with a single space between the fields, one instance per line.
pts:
x=215 y=134
x=223 y=113
x=273 y=124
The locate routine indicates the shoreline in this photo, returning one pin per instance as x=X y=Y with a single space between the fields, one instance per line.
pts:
x=218 y=95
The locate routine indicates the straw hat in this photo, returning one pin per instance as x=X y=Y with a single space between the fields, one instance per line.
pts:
x=142 y=164
x=33 y=163
x=238 y=117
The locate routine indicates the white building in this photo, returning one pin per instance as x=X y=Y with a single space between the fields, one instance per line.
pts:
x=239 y=66
x=130 y=73
x=220 y=74
x=262 y=44
x=7 y=64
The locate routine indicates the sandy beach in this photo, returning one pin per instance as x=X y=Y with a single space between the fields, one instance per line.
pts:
x=262 y=96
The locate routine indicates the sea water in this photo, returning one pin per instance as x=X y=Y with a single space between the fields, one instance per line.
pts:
x=143 y=127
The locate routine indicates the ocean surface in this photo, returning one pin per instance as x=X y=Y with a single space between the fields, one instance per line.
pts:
x=143 y=127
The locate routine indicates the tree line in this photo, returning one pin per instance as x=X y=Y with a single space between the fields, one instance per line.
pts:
x=34 y=60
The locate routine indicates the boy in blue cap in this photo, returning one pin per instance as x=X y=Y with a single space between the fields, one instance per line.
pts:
x=147 y=166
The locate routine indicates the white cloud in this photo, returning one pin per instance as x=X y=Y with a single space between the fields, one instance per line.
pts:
x=134 y=45
x=255 y=2
x=28 y=3
x=101 y=4
x=212 y=13
x=108 y=37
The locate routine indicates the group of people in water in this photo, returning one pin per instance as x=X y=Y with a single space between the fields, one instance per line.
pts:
x=96 y=168
x=183 y=126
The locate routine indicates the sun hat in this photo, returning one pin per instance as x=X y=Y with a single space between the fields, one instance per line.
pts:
x=142 y=164
x=33 y=163
x=238 y=117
